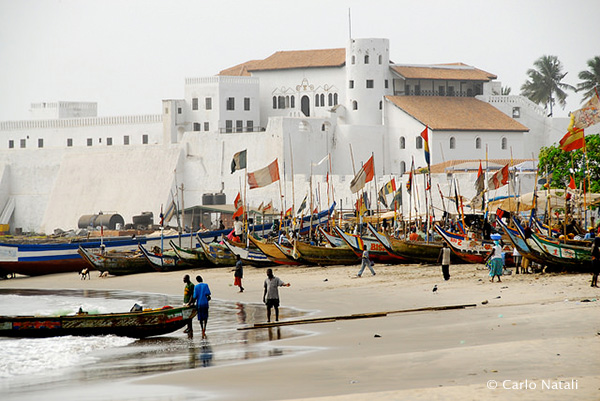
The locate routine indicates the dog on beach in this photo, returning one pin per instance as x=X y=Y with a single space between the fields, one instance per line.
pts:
x=103 y=274
x=85 y=273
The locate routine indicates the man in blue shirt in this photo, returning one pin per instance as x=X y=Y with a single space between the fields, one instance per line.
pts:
x=201 y=297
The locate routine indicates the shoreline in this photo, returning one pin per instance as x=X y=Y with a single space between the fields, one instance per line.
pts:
x=533 y=327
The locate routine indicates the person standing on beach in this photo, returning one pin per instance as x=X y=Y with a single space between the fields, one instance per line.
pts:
x=188 y=296
x=595 y=261
x=495 y=258
x=271 y=294
x=444 y=258
x=238 y=273
x=201 y=297
x=365 y=262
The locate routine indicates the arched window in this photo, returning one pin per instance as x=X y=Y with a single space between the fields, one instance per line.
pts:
x=402 y=168
x=322 y=100
x=353 y=59
x=335 y=99
x=317 y=101
x=274 y=102
x=292 y=102
x=354 y=105
x=330 y=99
x=477 y=143
x=287 y=102
x=504 y=143
x=452 y=142
x=402 y=142
x=366 y=59
x=281 y=102
x=380 y=58
x=419 y=142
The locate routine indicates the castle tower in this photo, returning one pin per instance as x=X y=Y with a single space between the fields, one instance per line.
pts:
x=367 y=80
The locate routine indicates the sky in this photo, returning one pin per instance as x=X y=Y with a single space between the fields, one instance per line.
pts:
x=128 y=55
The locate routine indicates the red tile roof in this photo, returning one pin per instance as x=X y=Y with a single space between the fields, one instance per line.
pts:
x=454 y=71
x=456 y=113
x=292 y=59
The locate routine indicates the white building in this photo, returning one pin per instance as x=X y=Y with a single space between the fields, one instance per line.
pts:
x=294 y=106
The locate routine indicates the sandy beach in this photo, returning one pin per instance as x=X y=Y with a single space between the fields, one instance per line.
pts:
x=531 y=337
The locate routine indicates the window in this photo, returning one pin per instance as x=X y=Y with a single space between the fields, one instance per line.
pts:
x=230 y=103
x=40 y=142
x=386 y=84
x=402 y=142
x=366 y=59
x=69 y=142
x=109 y=141
x=452 y=142
x=206 y=126
x=451 y=91
x=402 y=168
x=23 y=143
x=330 y=99
x=145 y=139
x=351 y=84
x=477 y=143
x=369 y=84
x=417 y=90
x=228 y=126
x=90 y=141
x=250 y=126
x=246 y=103
x=166 y=110
x=317 y=101
x=239 y=126
x=292 y=102
x=504 y=143
x=419 y=142
x=11 y=144
x=196 y=126
x=442 y=90
x=380 y=60
x=353 y=59
x=335 y=99
x=516 y=112
x=287 y=102
x=179 y=111
x=281 y=102
x=274 y=102
x=322 y=100
x=354 y=105
x=195 y=103
x=208 y=103
x=380 y=105
x=126 y=140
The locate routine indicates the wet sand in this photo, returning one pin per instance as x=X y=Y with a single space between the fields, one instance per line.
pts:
x=536 y=337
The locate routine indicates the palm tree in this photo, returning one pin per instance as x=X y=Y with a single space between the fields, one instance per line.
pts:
x=505 y=91
x=591 y=79
x=545 y=81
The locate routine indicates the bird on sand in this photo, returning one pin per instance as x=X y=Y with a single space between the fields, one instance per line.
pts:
x=434 y=288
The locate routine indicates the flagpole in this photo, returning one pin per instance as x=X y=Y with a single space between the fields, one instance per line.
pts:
x=375 y=179
x=311 y=203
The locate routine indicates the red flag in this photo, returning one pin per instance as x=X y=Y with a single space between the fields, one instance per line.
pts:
x=426 y=144
x=572 y=183
x=264 y=176
x=572 y=140
x=479 y=184
x=237 y=203
x=238 y=212
x=364 y=175
x=499 y=179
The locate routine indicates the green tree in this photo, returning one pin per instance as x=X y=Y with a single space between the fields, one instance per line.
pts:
x=564 y=164
x=505 y=91
x=545 y=84
x=590 y=79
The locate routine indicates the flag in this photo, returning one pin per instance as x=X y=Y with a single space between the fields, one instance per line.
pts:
x=238 y=212
x=237 y=203
x=479 y=182
x=397 y=199
x=302 y=205
x=499 y=179
x=573 y=139
x=365 y=174
x=572 y=183
x=288 y=212
x=239 y=161
x=588 y=115
x=426 y=144
x=162 y=216
x=410 y=177
x=264 y=176
x=362 y=204
x=170 y=212
x=268 y=207
x=388 y=188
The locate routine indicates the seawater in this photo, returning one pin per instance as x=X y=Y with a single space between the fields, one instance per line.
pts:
x=52 y=368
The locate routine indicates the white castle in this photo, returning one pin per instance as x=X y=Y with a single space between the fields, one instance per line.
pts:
x=294 y=106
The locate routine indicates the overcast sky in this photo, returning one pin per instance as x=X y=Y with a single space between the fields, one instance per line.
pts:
x=129 y=55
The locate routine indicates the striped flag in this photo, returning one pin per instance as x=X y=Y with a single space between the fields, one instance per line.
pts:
x=264 y=176
x=426 y=144
x=499 y=179
x=573 y=139
x=239 y=161
x=365 y=174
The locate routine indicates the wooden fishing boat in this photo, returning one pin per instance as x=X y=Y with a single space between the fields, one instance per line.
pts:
x=377 y=251
x=333 y=240
x=272 y=251
x=191 y=256
x=218 y=254
x=249 y=256
x=163 y=262
x=115 y=262
x=324 y=256
x=471 y=250
x=147 y=323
